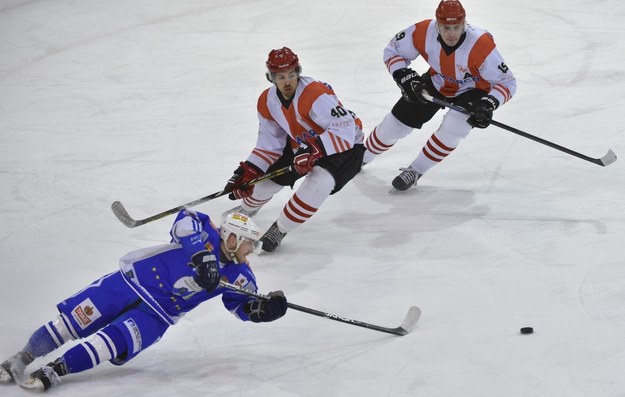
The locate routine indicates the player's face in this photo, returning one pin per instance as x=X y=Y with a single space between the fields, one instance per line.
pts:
x=246 y=248
x=451 y=33
x=286 y=82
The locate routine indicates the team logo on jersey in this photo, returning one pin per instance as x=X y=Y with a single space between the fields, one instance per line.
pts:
x=306 y=135
x=468 y=77
x=86 y=313
x=185 y=287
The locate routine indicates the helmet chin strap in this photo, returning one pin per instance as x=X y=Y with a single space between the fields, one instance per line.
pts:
x=231 y=252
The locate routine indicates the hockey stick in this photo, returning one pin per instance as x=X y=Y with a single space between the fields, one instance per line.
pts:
x=406 y=326
x=123 y=216
x=604 y=161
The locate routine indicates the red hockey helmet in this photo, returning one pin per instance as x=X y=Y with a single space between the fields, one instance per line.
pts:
x=281 y=60
x=450 y=12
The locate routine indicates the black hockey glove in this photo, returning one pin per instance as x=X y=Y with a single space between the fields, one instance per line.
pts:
x=242 y=175
x=482 y=111
x=410 y=84
x=206 y=270
x=266 y=310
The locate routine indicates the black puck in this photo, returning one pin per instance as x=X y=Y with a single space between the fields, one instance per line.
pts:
x=527 y=330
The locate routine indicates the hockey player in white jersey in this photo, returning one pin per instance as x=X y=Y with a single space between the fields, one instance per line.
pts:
x=123 y=313
x=301 y=123
x=465 y=69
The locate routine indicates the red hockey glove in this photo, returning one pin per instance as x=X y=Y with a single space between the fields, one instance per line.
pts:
x=307 y=155
x=242 y=175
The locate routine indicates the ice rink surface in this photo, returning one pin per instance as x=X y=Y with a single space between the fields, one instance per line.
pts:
x=153 y=103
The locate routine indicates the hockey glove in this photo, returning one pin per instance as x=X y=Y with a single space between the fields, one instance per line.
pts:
x=242 y=175
x=410 y=84
x=189 y=232
x=206 y=270
x=307 y=155
x=482 y=111
x=266 y=310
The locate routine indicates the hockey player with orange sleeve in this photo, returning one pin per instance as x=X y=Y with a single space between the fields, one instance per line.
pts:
x=301 y=123
x=465 y=68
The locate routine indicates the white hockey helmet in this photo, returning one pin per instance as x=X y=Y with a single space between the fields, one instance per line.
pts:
x=242 y=226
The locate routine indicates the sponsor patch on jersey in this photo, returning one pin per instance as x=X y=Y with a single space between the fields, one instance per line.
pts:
x=135 y=334
x=86 y=313
x=241 y=281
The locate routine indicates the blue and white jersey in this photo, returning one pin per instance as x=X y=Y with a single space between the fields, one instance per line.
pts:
x=163 y=276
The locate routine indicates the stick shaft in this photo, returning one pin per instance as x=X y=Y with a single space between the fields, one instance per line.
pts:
x=606 y=160
x=125 y=218
x=411 y=318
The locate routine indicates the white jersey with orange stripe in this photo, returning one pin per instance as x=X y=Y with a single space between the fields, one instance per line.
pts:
x=476 y=63
x=314 y=110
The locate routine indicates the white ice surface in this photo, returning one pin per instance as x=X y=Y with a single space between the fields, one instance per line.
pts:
x=153 y=103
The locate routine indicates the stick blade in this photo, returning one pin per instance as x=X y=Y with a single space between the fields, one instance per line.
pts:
x=413 y=315
x=121 y=214
x=608 y=159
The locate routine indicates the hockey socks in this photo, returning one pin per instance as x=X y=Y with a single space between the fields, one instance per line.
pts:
x=305 y=202
x=47 y=338
x=44 y=340
x=384 y=136
x=104 y=345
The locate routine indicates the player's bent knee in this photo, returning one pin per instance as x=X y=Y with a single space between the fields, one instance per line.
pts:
x=322 y=179
x=391 y=129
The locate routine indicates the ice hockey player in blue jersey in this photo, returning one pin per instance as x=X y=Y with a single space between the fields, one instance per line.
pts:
x=126 y=311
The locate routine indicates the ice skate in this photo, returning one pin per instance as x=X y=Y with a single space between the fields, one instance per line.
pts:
x=42 y=379
x=272 y=238
x=5 y=375
x=12 y=369
x=407 y=178
x=240 y=210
